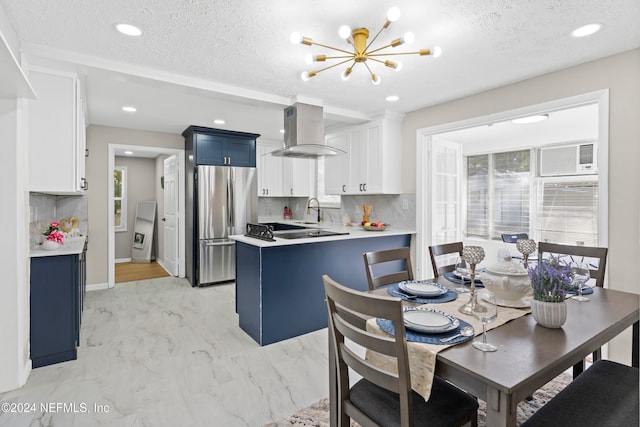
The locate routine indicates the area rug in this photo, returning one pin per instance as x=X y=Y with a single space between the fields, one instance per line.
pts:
x=317 y=415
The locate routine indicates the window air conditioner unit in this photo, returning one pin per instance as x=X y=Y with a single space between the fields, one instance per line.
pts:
x=574 y=159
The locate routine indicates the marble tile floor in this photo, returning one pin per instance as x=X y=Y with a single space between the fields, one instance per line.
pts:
x=161 y=353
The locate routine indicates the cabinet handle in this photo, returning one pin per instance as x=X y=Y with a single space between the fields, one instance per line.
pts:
x=84 y=184
x=344 y=188
x=291 y=192
x=364 y=186
x=86 y=152
x=360 y=187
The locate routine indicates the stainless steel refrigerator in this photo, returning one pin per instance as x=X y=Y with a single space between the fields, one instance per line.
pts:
x=227 y=199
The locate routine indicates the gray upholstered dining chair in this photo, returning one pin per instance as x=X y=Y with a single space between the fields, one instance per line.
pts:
x=605 y=395
x=580 y=251
x=382 y=397
x=436 y=251
x=388 y=266
x=596 y=273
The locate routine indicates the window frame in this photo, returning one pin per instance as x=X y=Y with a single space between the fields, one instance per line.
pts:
x=123 y=200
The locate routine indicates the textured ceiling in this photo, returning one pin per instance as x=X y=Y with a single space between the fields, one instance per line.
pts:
x=195 y=56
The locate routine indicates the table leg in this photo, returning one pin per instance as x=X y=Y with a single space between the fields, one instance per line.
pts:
x=634 y=346
x=500 y=413
x=578 y=368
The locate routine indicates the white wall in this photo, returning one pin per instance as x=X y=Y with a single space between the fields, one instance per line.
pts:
x=15 y=364
x=98 y=140
x=618 y=73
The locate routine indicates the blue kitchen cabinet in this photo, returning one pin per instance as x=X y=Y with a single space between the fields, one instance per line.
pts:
x=279 y=289
x=218 y=147
x=56 y=301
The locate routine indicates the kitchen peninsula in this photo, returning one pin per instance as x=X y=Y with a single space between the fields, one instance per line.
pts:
x=279 y=291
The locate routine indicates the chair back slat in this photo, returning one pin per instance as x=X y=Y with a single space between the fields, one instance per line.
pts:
x=388 y=266
x=347 y=308
x=436 y=251
x=580 y=251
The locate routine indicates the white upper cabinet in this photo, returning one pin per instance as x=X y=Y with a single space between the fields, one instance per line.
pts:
x=57 y=134
x=283 y=176
x=269 y=171
x=372 y=163
x=336 y=175
x=297 y=177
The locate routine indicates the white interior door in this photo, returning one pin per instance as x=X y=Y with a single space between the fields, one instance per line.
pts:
x=446 y=191
x=170 y=214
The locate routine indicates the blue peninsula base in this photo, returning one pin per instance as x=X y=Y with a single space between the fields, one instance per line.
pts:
x=279 y=290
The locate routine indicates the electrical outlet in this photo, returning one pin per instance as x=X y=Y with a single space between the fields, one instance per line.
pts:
x=405 y=205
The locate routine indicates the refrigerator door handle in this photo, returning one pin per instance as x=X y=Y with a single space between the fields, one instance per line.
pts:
x=230 y=196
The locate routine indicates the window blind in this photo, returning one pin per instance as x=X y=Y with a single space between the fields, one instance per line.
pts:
x=568 y=212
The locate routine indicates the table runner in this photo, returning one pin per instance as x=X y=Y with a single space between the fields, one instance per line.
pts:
x=422 y=357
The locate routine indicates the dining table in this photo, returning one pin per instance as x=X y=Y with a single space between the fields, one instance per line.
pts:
x=528 y=355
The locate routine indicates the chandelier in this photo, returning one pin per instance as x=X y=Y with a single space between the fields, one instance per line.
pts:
x=362 y=51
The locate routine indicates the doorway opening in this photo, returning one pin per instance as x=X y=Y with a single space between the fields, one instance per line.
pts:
x=431 y=207
x=177 y=237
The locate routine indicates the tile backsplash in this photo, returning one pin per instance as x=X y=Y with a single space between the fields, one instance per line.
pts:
x=398 y=209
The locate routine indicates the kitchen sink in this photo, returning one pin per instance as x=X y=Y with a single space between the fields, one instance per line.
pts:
x=305 y=234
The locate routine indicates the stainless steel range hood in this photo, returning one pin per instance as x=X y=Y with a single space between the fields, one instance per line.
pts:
x=304 y=133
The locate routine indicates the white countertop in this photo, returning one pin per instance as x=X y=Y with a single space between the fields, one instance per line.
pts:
x=71 y=246
x=355 y=232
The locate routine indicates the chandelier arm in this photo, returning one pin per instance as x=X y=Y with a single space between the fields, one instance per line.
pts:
x=379 y=49
x=377 y=60
x=331 y=66
x=394 y=54
x=350 y=56
x=331 y=47
x=370 y=72
x=374 y=39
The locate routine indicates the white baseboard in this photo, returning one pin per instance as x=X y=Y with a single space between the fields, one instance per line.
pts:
x=120 y=260
x=161 y=264
x=97 y=286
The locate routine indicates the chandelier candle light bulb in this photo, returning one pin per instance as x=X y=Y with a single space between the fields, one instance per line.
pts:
x=361 y=52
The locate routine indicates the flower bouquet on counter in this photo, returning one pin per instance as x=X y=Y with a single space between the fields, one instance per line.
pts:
x=53 y=233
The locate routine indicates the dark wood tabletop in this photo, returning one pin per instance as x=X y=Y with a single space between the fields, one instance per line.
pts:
x=530 y=355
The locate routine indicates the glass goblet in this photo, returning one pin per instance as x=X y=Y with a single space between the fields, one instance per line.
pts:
x=486 y=311
x=579 y=276
x=463 y=270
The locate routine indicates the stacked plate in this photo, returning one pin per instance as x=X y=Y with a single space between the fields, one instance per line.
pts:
x=429 y=321
x=422 y=288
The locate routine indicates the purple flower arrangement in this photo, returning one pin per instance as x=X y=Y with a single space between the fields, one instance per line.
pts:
x=550 y=280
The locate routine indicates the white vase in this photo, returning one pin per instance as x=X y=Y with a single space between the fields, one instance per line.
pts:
x=50 y=245
x=549 y=314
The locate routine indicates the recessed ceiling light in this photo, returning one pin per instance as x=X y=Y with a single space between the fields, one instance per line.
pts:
x=392 y=98
x=219 y=121
x=586 y=30
x=129 y=30
x=129 y=109
x=128 y=153
x=530 y=119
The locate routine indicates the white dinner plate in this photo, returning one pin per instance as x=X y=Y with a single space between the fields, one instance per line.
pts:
x=430 y=321
x=422 y=288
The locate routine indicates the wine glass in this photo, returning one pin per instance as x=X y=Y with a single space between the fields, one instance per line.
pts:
x=579 y=276
x=486 y=311
x=463 y=270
